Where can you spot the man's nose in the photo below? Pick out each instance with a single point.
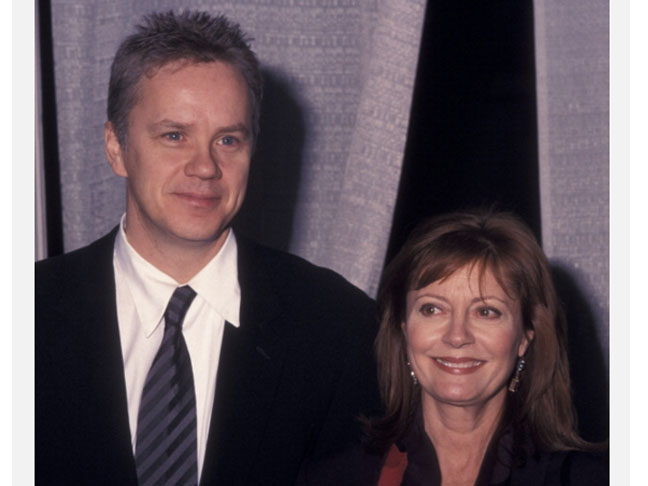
(204, 164)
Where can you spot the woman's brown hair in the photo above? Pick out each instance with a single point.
(502, 244)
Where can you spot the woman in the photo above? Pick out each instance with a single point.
(472, 363)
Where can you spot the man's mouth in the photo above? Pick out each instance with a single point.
(199, 200)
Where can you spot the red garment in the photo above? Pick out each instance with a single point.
(393, 468)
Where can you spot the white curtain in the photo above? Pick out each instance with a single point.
(340, 76)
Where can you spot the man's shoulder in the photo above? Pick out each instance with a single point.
(291, 274)
(76, 267)
(72, 291)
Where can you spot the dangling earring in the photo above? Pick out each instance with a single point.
(409, 365)
(515, 382)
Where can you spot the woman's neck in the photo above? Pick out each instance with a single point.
(461, 435)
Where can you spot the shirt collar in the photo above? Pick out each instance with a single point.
(216, 284)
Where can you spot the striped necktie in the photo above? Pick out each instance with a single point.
(166, 450)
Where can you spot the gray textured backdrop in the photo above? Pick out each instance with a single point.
(572, 64)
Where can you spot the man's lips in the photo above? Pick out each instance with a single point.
(199, 200)
(458, 366)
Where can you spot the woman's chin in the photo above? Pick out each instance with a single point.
(459, 396)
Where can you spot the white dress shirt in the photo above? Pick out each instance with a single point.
(143, 293)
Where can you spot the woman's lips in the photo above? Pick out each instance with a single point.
(458, 366)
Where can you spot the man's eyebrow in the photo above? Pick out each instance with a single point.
(239, 127)
(167, 124)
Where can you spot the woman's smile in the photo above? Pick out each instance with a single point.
(458, 366)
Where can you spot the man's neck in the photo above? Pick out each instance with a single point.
(179, 259)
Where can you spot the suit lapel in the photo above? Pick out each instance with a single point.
(249, 369)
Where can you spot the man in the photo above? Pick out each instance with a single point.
(172, 351)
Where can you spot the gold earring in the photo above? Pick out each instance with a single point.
(515, 382)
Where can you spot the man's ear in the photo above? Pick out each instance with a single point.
(114, 150)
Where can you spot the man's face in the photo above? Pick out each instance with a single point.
(187, 155)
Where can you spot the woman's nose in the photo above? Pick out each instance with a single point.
(458, 332)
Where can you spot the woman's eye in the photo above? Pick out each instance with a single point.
(429, 309)
(488, 312)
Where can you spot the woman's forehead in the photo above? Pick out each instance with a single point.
(475, 272)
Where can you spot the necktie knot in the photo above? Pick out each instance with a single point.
(178, 305)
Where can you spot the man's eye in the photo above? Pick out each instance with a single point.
(229, 140)
(173, 136)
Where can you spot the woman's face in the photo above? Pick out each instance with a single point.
(463, 338)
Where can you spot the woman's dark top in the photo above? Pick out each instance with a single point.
(509, 461)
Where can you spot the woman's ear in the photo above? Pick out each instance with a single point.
(527, 338)
(114, 150)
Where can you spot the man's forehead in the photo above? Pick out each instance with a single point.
(174, 65)
(167, 70)
(169, 94)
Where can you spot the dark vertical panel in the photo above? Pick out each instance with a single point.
(50, 133)
(472, 138)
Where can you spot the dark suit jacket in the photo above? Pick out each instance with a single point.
(291, 380)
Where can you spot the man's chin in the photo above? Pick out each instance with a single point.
(201, 236)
